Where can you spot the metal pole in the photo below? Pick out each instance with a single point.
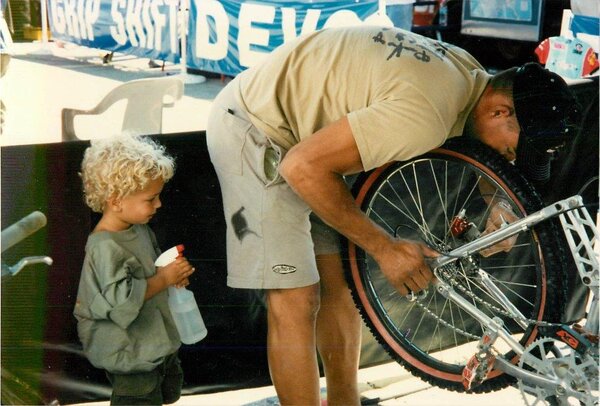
(45, 48)
(187, 78)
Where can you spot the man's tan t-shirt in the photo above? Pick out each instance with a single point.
(404, 94)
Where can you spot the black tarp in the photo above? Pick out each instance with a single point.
(41, 354)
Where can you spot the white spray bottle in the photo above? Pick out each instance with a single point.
(183, 305)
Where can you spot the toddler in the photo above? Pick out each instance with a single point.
(122, 312)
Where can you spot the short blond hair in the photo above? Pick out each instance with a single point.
(118, 166)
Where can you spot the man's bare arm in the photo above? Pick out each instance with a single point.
(314, 169)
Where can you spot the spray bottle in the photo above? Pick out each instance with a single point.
(182, 303)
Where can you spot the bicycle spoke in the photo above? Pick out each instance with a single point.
(420, 200)
(443, 202)
(487, 210)
(415, 200)
(405, 213)
(420, 206)
(509, 286)
(459, 187)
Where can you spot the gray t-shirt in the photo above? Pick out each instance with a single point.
(121, 332)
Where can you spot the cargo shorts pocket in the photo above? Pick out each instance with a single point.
(225, 137)
(137, 384)
(272, 157)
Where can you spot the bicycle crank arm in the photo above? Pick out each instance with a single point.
(507, 231)
(536, 379)
(496, 328)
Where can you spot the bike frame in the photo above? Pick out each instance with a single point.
(581, 234)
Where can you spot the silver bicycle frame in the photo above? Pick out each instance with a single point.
(508, 230)
(582, 235)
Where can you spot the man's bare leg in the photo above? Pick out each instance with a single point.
(291, 344)
(338, 333)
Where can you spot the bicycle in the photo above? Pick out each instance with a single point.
(487, 322)
(17, 232)
(18, 387)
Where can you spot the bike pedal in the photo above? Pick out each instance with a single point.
(477, 369)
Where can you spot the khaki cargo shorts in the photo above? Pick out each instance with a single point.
(269, 241)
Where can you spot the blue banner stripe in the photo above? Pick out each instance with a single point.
(223, 36)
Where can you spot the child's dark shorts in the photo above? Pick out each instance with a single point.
(157, 387)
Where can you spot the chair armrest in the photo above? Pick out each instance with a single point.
(68, 129)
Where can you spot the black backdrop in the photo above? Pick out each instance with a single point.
(41, 355)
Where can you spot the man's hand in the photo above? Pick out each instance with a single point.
(500, 214)
(403, 264)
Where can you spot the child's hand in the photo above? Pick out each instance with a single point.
(177, 272)
(183, 283)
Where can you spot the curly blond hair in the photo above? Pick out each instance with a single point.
(118, 166)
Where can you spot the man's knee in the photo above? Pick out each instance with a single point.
(292, 305)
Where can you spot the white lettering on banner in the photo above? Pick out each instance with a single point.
(174, 28)
(143, 23)
(148, 23)
(133, 23)
(160, 21)
(83, 10)
(58, 16)
(247, 36)
(288, 22)
(75, 17)
(117, 31)
(251, 38)
(70, 17)
(204, 48)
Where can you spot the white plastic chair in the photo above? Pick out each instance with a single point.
(145, 99)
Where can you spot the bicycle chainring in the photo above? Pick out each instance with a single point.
(572, 370)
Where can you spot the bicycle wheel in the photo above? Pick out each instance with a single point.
(418, 199)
